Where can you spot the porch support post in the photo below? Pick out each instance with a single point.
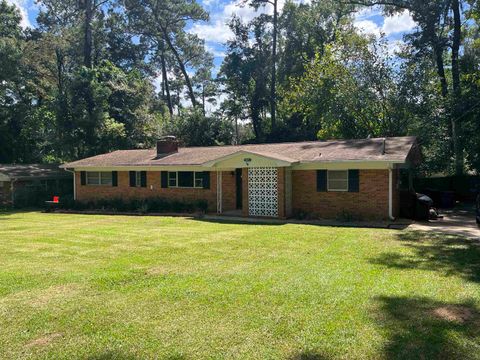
(219, 192)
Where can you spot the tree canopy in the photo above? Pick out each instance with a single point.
(99, 75)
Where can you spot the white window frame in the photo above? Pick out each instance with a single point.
(176, 179)
(186, 187)
(99, 178)
(328, 181)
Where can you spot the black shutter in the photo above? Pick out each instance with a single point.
(143, 179)
(133, 181)
(83, 177)
(353, 180)
(321, 180)
(114, 178)
(164, 179)
(206, 179)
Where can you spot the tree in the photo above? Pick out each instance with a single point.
(437, 20)
(351, 91)
(273, 63)
(162, 23)
(244, 71)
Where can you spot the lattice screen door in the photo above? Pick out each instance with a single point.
(262, 192)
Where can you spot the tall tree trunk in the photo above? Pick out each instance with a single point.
(438, 53)
(203, 100)
(182, 67)
(88, 39)
(273, 91)
(166, 85)
(457, 91)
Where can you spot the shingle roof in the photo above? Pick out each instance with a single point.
(31, 171)
(397, 149)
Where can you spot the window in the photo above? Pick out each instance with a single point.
(172, 179)
(99, 178)
(338, 180)
(138, 178)
(198, 180)
(185, 179)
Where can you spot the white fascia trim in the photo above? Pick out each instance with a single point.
(143, 168)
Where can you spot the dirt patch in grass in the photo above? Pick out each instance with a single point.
(53, 293)
(44, 340)
(457, 314)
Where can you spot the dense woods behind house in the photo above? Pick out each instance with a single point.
(98, 75)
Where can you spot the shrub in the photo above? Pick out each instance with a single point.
(143, 206)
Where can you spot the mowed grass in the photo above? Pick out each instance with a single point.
(118, 287)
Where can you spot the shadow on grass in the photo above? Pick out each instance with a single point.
(236, 221)
(451, 255)
(421, 328)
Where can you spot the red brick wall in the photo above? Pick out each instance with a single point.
(229, 195)
(370, 203)
(123, 190)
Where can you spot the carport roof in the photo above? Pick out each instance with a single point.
(32, 171)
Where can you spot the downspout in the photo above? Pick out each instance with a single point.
(74, 184)
(390, 194)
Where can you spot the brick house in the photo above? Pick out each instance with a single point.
(323, 179)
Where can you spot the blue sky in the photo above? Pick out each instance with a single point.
(215, 32)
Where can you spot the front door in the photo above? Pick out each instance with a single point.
(263, 191)
(238, 187)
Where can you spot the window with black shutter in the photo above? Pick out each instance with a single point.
(321, 180)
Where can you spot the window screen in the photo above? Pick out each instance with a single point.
(338, 180)
(138, 178)
(185, 179)
(99, 178)
(172, 179)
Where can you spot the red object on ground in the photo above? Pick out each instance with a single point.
(56, 199)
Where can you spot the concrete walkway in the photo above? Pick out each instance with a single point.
(459, 222)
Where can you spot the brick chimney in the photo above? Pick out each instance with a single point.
(167, 145)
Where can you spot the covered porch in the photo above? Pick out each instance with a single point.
(262, 186)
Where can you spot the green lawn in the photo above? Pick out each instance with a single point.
(117, 287)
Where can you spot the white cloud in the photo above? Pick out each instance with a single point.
(22, 7)
(367, 27)
(399, 23)
(217, 29)
(396, 24)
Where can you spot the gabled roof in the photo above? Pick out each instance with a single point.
(395, 149)
(32, 171)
